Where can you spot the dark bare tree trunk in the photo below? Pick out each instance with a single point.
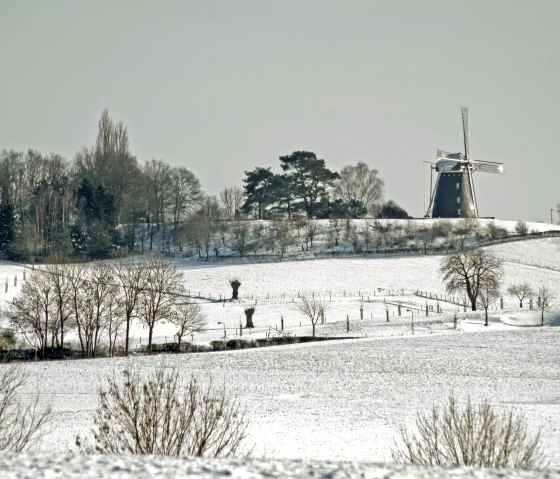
(235, 284)
(249, 317)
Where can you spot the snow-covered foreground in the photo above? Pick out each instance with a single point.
(335, 401)
(341, 400)
(32, 466)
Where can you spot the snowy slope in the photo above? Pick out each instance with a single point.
(338, 401)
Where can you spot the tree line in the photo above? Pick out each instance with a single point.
(105, 202)
(99, 301)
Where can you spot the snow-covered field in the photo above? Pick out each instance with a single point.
(343, 400)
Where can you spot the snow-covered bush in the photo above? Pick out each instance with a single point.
(470, 435)
(521, 228)
(159, 416)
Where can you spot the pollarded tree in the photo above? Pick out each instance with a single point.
(522, 291)
(249, 312)
(309, 178)
(360, 184)
(471, 272)
(235, 284)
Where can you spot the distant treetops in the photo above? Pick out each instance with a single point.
(307, 185)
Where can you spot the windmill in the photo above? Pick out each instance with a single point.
(453, 195)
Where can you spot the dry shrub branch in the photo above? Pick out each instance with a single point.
(159, 416)
(472, 435)
(21, 425)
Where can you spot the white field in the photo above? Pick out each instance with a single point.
(344, 400)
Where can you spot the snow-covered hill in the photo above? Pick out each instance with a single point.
(336, 401)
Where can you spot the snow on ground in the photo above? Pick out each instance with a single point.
(32, 466)
(342, 400)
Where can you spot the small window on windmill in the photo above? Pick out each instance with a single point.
(458, 185)
(458, 199)
(459, 211)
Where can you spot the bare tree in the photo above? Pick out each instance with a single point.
(163, 282)
(522, 291)
(131, 278)
(547, 297)
(189, 319)
(61, 289)
(232, 200)
(311, 230)
(466, 228)
(472, 272)
(185, 191)
(488, 294)
(20, 425)
(284, 234)
(359, 183)
(336, 225)
(313, 308)
(157, 176)
(427, 236)
(240, 234)
(95, 290)
(33, 310)
(472, 435)
(385, 229)
(158, 416)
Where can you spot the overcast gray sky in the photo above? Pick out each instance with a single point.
(225, 86)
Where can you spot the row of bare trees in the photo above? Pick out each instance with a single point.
(478, 274)
(100, 302)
